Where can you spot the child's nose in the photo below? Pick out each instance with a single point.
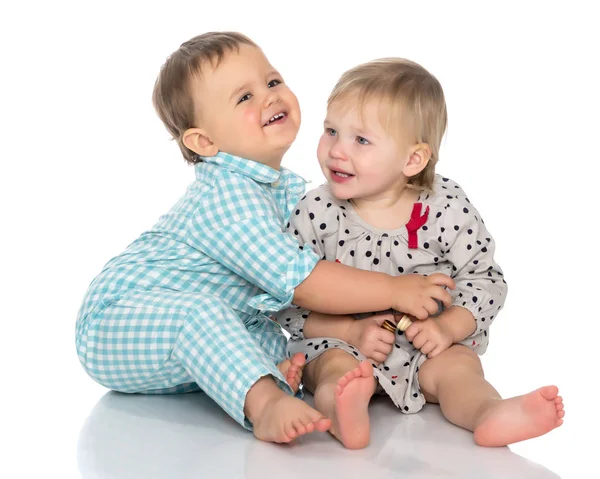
(271, 97)
(337, 151)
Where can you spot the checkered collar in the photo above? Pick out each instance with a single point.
(257, 171)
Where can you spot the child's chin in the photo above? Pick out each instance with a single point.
(339, 193)
(285, 142)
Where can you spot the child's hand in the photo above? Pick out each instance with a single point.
(416, 294)
(370, 339)
(429, 336)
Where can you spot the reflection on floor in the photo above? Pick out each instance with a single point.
(188, 436)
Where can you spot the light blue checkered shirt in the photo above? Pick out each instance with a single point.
(224, 237)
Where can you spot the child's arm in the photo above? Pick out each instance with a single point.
(480, 287)
(301, 324)
(436, 334)
(365, 334)
(458, 322)
(321, 325)
(236, 226)
(336, 288)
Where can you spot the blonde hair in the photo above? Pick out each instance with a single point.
(172, 96)
(411, 98)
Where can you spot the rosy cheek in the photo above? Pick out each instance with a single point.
(323, 148)
(289, 98)
(251, 116)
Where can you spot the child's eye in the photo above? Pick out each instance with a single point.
(330, 131)
(362, 141)
(247, 96)
(273, 83)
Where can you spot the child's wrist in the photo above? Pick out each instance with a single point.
(446, 329)
(395, 286)
(347, 336)
(457, 322)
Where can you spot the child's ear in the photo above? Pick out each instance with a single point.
(197, 140)
(418, 159)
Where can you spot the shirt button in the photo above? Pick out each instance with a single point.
(275, 184)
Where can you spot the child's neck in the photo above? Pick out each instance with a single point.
(274, 163)
(387, 211)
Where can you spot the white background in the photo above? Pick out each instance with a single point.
(86, 166)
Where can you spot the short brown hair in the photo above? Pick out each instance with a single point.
(406, 90)
(172, 97)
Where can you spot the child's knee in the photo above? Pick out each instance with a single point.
(335, 362)
(456, 362)
(462, 358)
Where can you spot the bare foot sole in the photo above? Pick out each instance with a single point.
(520, 418)
(292, 370)
(352, 395)
(286, 418)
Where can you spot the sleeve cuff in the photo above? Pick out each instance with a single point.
(297, 271)
(470, 303)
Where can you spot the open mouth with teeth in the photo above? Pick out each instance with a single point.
(341, 174)
(276, 118)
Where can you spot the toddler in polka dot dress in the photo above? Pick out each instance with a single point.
(187, 306)
(385, 209)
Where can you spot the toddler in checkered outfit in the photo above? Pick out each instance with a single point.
(187, 305)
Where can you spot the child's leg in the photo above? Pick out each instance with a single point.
(156, 340)
(455, 380)
(343, 388)
(269, 337)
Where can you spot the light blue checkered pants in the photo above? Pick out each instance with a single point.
(164, 342)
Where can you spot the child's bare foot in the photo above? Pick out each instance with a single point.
(292, 370)
(519, 418)
(351, 417)
(285, 418)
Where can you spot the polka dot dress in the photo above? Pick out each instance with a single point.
(445, 234)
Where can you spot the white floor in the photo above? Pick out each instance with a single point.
(188, 436)
(88, 432)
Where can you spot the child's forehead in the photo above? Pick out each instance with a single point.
(367, 108)
(370, 113)
(233, 69)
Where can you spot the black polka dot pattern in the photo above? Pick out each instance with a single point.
(453, 240)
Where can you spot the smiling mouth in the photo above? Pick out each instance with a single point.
(341, 174)
(276, 118)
